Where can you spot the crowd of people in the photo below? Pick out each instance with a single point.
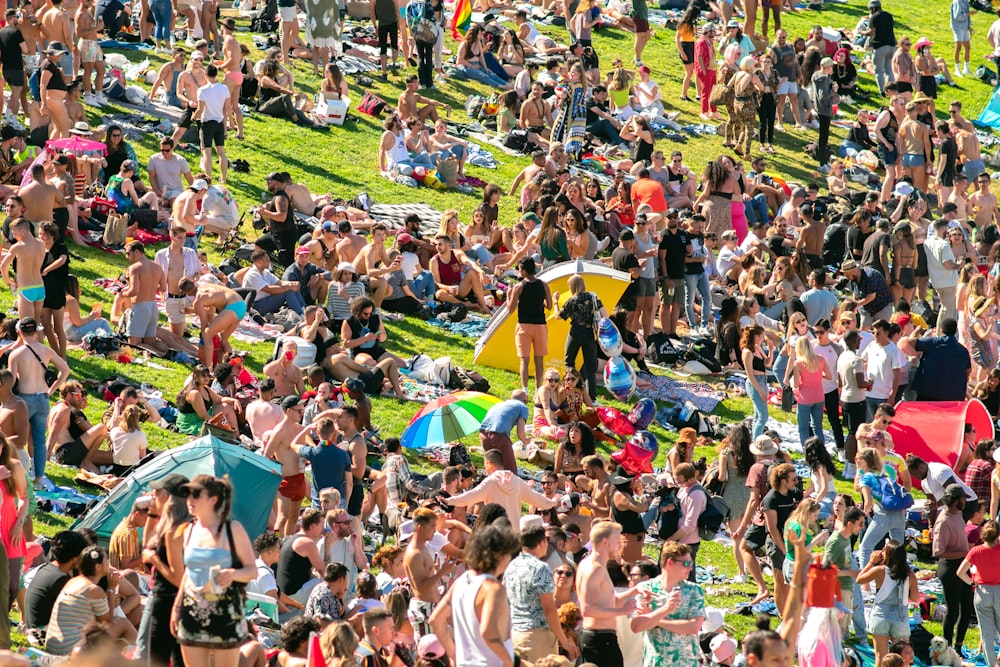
(838, 303)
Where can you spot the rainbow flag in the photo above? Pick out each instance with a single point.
(462, 19)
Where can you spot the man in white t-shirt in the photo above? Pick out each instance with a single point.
(883, 365)
(730, 254)
(272, 293)
(214, 107)
(166, 171)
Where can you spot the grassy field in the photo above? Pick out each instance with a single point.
(344, 161)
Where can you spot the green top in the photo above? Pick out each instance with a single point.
(619, 97)
(789, 547)
(838, 552)
(640, 10)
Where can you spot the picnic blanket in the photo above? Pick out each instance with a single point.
(700, 394)
(250, 332)
(420, 392)
(154, 108)
(394, 214)
(472, 326)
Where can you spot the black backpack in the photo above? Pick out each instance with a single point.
(263, 21)
(467, 380)
(715, 514)
(660, 350)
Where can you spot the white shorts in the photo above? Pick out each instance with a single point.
(788, 88)
(175, 309)
(288, 14)
(961, 34)
(172, 193)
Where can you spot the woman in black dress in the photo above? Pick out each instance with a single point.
(55, 269)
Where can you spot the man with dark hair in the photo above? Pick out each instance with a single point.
(883, 367)
(624, 259)
(945, 366)
(278, 446)
(48, 582)
(838, 551)
(423, 571)
(327, 599)
(530, 587)
(261, 414)
(820, 303)
(600, 122)
(331, 465)
(271, 293)
(267, 547)
(875, 251)
(215, 107)
(300, 557)
(145, 279)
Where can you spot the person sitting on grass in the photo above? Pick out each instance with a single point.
(73, 440)
(453, 287)
(196, 402)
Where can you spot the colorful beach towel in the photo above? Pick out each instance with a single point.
(700, 394)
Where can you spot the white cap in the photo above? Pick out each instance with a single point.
(531, 521)
(199, 184)
(714, 620)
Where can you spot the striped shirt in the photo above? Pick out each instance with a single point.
(123, 547)
(70, 614)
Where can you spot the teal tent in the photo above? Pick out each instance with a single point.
(255, 482)
(990, 117)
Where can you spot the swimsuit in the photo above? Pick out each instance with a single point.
(239, 309)
(90, 50)
(293, 487)
(236, 77)
(33, 293)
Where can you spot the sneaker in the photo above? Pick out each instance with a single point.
(824, 169)
(849, 471)
(958, 73)
(814, 124)
(779, 127)
(740, 579)
(965, 70)
(90, 99)
(102, 100)
(637, 62)
(603, 243)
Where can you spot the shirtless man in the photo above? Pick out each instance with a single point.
(90, 54)
(955, 111)
(423, 571)
(29, 25)
(286, 375)
(302, 200)
(984, 203)
(278, 446)
(343, 367)
(960, 198)
(40, 197)
(177, 262)
(969, 152)
(373, 261)
(536, 116)
(350, 244)
(188, 83)
(28, 364)
(323, 248)
(145, 279)
(230, 64)
(67, 217)
(27, 285)
(595, 482)
(410, 99)
(811, 236)
(261, 414)
(219, 309)
(73, 440)
(529, 173)
(185, 209)
(599, 604)
(56, 27)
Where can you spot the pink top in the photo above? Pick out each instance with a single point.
(810, 386)
(8, 515)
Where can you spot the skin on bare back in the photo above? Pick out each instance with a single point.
(30, 254)
(40, 198)
(349, 247)
(145, 280)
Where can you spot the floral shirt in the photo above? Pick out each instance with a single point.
(662, 648)
(527, 578)
(579, 309)
(322, 602)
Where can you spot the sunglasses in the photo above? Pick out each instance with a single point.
(196, 492)
(563, 573)
(683, 563)
(552, 380)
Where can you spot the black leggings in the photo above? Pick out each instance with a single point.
(832, 405)
(958, 596)
(823, 144)
(425, 63)
(766, 113)
(601, 647)
(582, 339)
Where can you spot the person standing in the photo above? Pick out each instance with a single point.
(883, 367)
(530, 299)
(13, 48)
(692, 499)
(582, 309)
(982, 568)
(853, 395)
(882, 35)
(789, 75)
(215, 105)
(809, 370)
(961, 30)
(423, 572)
(531, 587)
(950, 547)
(146, 278)
(640, 16)
(674, 251)
(671, 611)
(874, 296)
(500, 419)
(704, 70)
(943, 269)
(385, 17)
(177, 262)
(478, 595)
(824, 94)
(599, 603)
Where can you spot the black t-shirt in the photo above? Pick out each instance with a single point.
(10, 48)
(883, 27)
(856, 242)
(776, 244)
(949, 150)
(675, 244)
(782, 505)
(41, 595)
(872, 251)
(623, 260)
(698, 243)
(835, 243)
(591, 103)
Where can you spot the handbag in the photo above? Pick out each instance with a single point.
(218, 426)
(597, 312)
(115, 230)
(371, 104)
(722, 94)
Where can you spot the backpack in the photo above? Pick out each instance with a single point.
(894, 497)
(660, 350)
(420, 21)
(715, 514)
(371, 104)
(516, 140)
(467, 380)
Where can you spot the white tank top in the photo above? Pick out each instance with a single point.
(470, 649)
(532, 34)
(399, 153)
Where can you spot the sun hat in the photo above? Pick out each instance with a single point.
(81, 127)
(849, 265)
(722, 647)
(763, 446)
(902, 189)
(714, 620)
(922, 42)
(345, 266)
(56, 48)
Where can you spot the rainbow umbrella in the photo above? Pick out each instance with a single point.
(447, 419)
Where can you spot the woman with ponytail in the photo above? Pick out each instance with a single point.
(986, 577)
(207, 617)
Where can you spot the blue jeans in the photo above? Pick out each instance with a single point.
(162, 11)
(457, 151)
(423, 286)
(423, 158)
(756, 208)
(987, 605)
(272, 302)
(759, 405)
(495, 67)
(883, 523)
(804, 414)
(871, 405)
(38, 415)
(698, 282)
(481, 254)
(482, 76)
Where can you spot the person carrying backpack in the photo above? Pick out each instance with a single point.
(692, 499)
(885, 502)
(424, 21)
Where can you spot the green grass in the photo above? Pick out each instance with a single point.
(344, 161)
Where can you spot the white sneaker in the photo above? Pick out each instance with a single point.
(740, 579)
(824, 169)
(102, 100)
(780, 127)
(849, 471)
(814, 124)
(603, 243)
(958, 73)
(90, 100)
(965, 70)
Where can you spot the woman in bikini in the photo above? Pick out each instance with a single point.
(904, 262)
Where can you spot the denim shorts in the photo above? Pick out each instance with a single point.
(891, 622)
(888, 157)
(911, 160)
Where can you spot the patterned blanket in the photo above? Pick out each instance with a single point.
(664, 388)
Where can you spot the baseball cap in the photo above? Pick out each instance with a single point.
(289, 402)
(531, 521)
(429, 647)
(302, 250)
(345, 266)
(172, 484)
(8, 132)
(404, 238)
(199, 184)
(626, 235)
(197, 55)
(327, 211)
(27, 325)
(644, 69)
(532, 217)
(328, 226)
(274, 176)
(354, 384)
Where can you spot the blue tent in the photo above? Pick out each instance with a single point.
(255, 482)
(990, 117)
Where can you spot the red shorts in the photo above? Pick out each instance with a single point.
(294, 487)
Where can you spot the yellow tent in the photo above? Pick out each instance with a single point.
(495, 347)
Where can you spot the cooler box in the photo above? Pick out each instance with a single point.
(265, 603)
(336, 111)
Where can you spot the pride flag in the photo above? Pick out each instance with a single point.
(462, 18)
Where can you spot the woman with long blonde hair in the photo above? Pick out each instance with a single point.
(971, 286)
(620, 93)
(804, 519)
(808, 373)
(339, 642)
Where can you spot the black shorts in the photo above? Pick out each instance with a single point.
(373, 381)
(212, 133)
(60, 216)
(687, 53)
(947, 178)
(388, 35)
(185, 120)
(14, 77)
(589, 58)
(922, 271)
(928, 85)
(755, 538)
(601, 646)
(904, 87)
(907, 278)
(70, 454)
(357, 498)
